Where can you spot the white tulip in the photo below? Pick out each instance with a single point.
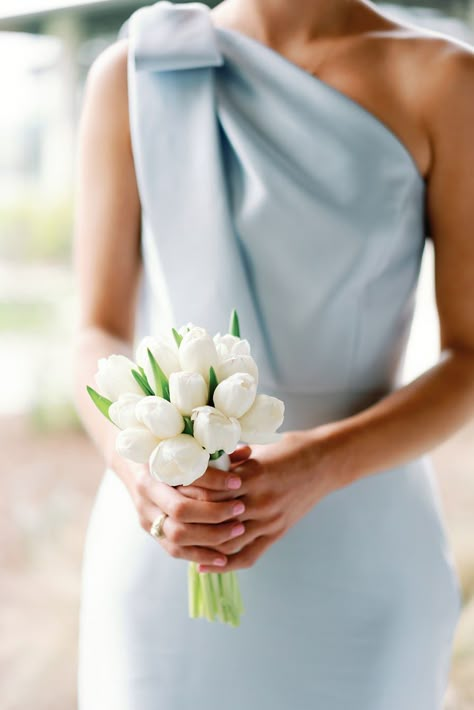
(136, 443)
(237, 363)
(160, 416)
(197, 352)
(235, 395)
(184, 328)
(178, 461)
(258, 425)
(114, 377)
(188, 390)
(214, 430)
(165, 352)
(122, 411)
(228, 345)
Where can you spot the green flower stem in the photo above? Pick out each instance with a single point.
(214, 596)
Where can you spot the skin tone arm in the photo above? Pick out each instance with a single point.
(282, 482)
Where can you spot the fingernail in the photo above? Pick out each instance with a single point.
(238, 508)
(234, 482)
(219, 561)
(237, 530)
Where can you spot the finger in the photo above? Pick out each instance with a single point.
(244, 559)
(240, 454)
(193, 553)
(200, 555)
(188, 510)
(217, 480)
(191, 534)
(253, 530)
(198, 493)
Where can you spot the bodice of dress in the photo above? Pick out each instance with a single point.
(266, 189)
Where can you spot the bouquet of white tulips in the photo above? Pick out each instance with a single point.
(187, 401)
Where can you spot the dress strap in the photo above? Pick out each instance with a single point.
(167, 36)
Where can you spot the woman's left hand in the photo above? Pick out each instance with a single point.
(281, 482)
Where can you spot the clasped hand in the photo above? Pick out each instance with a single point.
(225, 520)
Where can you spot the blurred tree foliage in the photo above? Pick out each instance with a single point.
(33, 228)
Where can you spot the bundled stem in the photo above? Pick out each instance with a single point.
(214, 596)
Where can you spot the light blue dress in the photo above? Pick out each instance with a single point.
(266, 189)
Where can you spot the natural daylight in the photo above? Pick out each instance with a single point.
(280, 214)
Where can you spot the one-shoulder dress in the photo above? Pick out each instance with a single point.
(266, 189)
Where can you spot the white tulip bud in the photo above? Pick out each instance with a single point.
(214, 430)
(188, 390)
(197, 352)
(160, 416)
(228, 345)
(165, 352)
(184, 328)
(237, 363)
(122, 411)
(136, 443)
(258, 425)
(235, 395)
(178, 461)
(114, 377)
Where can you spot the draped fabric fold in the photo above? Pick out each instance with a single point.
(177, 150)
(230, 142)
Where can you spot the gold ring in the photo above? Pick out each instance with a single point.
(157, 526)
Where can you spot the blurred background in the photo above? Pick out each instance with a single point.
(49, 471)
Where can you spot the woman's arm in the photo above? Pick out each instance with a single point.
(284, 481)
(108, 265)
(106, 237)
(422, 414)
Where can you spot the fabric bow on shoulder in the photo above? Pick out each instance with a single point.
(167, 36)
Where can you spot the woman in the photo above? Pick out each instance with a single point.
(287, 158)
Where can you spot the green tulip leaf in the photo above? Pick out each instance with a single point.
(234, 327)
(102, 403)
(212, 386)
(143, 382)
(161, 380)
(188, 425)
(145, 378)
(216, 454)
(177, 337)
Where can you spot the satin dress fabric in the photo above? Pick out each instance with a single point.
(266, 189)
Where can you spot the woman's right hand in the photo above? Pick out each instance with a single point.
(193, 527)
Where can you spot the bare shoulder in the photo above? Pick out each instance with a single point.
(106, 89)
(442, 80)
(435, 61)
(426, 79)
(450, 73)
(110, 66)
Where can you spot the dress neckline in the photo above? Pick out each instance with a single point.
(337, 93)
